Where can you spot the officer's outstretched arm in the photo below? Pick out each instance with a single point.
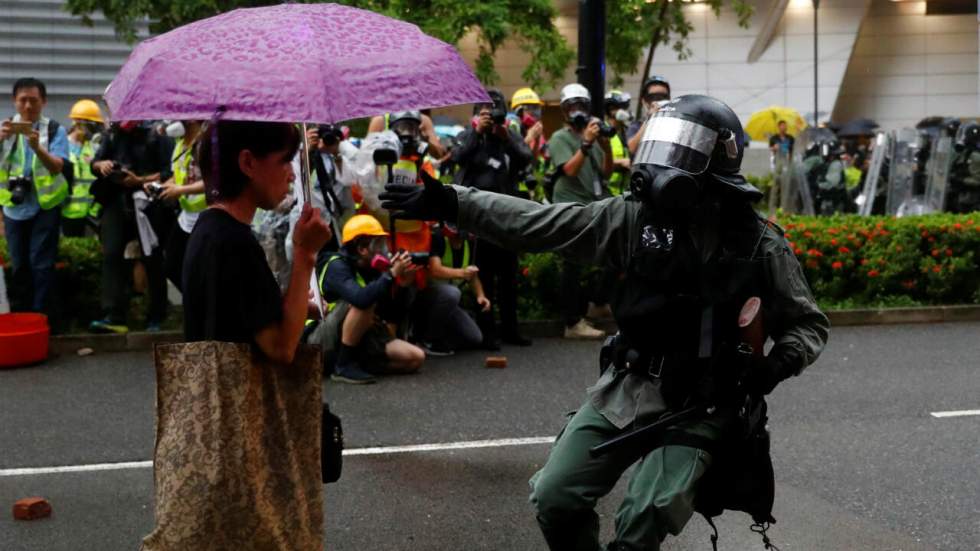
(597, 233)
(797, 326)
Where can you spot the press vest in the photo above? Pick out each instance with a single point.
(180, 163)
(323, 273)
(81, 203)
(448, 256)
(51, 189)
(619, 152)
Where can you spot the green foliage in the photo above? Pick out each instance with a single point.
(529, 22)
(635, 25)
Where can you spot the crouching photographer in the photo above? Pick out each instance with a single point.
(365, 289)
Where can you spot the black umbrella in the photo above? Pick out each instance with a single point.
(857, 128)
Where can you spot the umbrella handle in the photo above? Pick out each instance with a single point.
(304, 164)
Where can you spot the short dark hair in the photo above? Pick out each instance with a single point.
(780, 122)
(30, 82)
(224, 179)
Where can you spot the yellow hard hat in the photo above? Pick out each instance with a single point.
(524, 96)
(361, 224)
(86, 110)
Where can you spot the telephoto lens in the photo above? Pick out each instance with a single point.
(606, 130)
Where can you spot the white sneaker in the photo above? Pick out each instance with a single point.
(583, 330)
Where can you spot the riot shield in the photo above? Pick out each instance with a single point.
(798, 193)
(901, 174)
(876, 180)
(940, 163)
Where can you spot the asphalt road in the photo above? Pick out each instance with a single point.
(860, 462)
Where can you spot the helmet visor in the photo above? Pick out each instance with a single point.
(673, 142)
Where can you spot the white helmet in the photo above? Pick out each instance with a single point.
(575, 92)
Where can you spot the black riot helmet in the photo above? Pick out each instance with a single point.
(690, 142)
(950, 126)
(968, 136)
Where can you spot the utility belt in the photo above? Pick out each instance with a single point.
(618, 354)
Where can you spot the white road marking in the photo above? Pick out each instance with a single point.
(960, 413)
(382, 450)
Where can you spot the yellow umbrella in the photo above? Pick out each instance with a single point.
(763, 124)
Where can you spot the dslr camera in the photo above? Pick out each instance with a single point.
(606, 130)
(329, 134)
(19, 187)
(498, 115)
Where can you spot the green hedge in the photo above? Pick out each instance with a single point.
(850, 262)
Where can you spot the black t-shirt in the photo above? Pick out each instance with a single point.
(786, 144)
(229, 290)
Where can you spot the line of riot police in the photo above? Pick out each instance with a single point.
(934, 167)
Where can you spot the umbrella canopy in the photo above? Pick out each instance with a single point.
(764, 123)
(288, 63)
(857, 128)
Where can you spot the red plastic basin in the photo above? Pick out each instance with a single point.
(23, 339)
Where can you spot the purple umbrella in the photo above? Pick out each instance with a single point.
(287, 63)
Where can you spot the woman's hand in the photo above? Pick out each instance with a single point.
(170, 191)
(311, 232)
(484, 303)
(470, 272)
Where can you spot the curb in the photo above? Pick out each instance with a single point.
(69, 344)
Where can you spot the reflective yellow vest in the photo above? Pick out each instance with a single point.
(180, 163)
(81, 203)
(51, 189)
(447, 257)
(619, 151)
(323, 273)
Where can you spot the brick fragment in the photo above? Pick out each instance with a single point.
(498, 362)
(31, 508)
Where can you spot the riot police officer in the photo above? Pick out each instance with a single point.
(825, 174)
(965, 173)
(690, 250)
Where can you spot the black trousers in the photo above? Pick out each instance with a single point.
(573, 298)
(119, 228)
(173, 256)
(498, 274)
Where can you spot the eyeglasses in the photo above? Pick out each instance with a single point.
(656, 96)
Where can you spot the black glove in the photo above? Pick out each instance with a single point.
(762, 376)
(432, 201)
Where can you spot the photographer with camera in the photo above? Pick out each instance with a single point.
(583, 160)
(186, 186)
(328, 194)
(618, 116)
(492, 157)
(33, 161)
(131, 155)
(365, 289)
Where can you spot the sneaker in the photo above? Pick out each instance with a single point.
(106, 326)
(603, 312)
(516, 339)
(436, 348)
(583, 330)
(352, 374)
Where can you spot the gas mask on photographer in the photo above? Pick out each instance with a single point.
(407, 126)
(623, 116)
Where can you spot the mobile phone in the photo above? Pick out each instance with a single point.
(21, 127)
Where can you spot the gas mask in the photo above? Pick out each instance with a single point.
(623, 116)
(380, 256)
(669, 191)
(175, 130)
(579, 119)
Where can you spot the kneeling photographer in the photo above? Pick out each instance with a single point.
(365, 289)
(130, 156)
